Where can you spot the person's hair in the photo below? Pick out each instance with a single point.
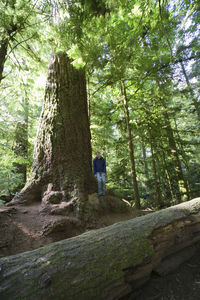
(98, 152)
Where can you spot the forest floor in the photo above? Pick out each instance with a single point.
(26, 227)
(23, 227)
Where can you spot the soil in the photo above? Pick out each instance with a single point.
(26, 227)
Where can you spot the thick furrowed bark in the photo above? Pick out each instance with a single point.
(107, 263)
(62, 170)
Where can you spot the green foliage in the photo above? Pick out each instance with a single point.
(142, 57)
(139, 43)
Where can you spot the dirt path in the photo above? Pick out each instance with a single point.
(24, 228)
(21, 229)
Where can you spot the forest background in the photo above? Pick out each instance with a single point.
(141, 60)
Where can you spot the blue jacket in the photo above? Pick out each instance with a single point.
(99, 165)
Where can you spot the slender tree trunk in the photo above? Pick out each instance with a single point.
(7, 36)
(144, 156)
(158, 195)
(185, 160)
(62, 171)
(130, 145)
(194, 99)
(181, 184)
(3, 53)
(168, 178)
(146, 171)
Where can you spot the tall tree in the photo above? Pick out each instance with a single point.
(138, 49)
(193, 97)
(130, 146)
(17, 25)
(62, 160)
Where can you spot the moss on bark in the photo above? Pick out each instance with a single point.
(101, 264)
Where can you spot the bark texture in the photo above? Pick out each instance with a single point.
(20, 147)
(3, 53)
(7, 35)
(130, 146)
(158, 194)
(179, 184)
(190, 89)
(107, 263)
(62, 170)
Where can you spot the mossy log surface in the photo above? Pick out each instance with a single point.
(107, 263)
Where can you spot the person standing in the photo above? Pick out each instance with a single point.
(99, 171)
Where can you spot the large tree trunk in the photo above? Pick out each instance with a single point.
(62, 172)
(108, 263)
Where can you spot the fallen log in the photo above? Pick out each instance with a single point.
(107, 263)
